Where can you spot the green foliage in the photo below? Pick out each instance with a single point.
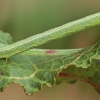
(31, 68)
(35, 67)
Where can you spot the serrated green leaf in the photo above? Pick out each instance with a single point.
(5, 38)
(83, 65)
(33, 68)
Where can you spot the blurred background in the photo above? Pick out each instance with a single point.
(23, 18)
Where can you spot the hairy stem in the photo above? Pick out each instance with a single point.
(53, 34)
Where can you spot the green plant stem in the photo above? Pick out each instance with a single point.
(53, 34)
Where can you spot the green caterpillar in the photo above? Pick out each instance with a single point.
(56, 33)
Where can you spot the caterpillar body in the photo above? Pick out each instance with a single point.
(56, 33)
